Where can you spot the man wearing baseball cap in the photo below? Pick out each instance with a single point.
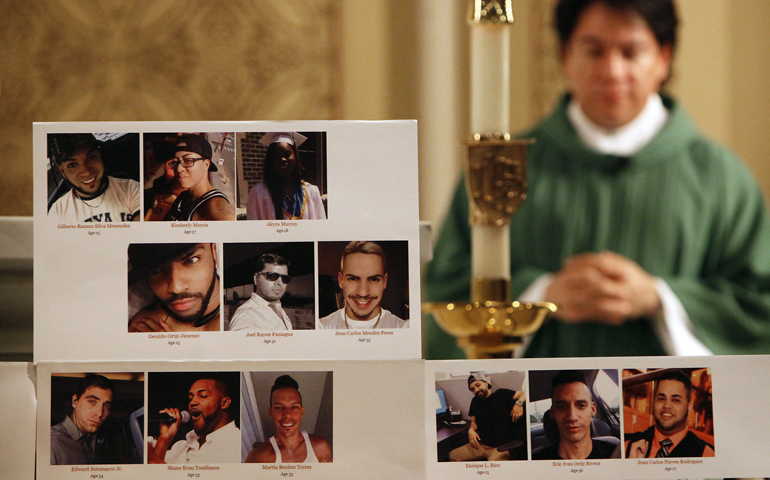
(183, 279)
(497, 418)
(94, 196)
(200, 200)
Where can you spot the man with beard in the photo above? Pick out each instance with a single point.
(214, 438)
(74, 441)
(362, 279)
(573, 410)
(491, 416)
(289, 444)
(263, 310)
(93, 196)
(183, 279)
(669, 437)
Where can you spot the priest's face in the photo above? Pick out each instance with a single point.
(613, 63)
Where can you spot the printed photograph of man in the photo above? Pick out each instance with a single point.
(193, 417)
(269, 286)
(93, 418)
(283, 176)
(668, 413)
(287, 417)
(481, 416)
(575, 414)
(188, 176)
(355, 291)
(173, 287)
(93, 177)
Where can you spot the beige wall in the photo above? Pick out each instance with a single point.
(350, 59)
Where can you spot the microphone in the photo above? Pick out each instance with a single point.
(166, 418)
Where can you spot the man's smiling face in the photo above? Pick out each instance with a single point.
(671, 407)
(362, 281)
(84, 169)
(286, 410)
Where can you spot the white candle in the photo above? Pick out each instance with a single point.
(491, 252)
(490, 77)
(490, 80)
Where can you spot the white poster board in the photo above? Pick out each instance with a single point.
(364, 181)
(727, 408)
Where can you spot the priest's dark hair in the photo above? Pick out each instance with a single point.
(660, 16)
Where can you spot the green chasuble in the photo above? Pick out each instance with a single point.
(686, 210)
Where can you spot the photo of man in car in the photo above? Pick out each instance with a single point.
(575, 414)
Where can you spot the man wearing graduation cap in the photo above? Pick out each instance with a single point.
(284, 194)
(183, 279)
(200, 200)
(93, 196)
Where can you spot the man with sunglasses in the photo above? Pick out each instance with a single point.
(200, 200)
(263, 310)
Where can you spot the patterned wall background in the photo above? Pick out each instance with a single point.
(545, 72)
(102, 60)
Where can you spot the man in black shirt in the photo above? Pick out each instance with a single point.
(573, 409)
(670, 436)
(496, 418)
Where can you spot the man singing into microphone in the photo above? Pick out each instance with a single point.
(215, 437)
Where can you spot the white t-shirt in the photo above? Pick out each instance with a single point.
(120, 202)
(336, 321)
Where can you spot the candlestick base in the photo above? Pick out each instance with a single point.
(489, 328)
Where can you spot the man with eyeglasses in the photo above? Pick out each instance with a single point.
(263, 310)
(200, 200)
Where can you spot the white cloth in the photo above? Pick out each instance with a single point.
(221, 446)
(259, 205)
(310, 458)
(336, 321)
(256, 314)
(120, 202)
(673, 326)
(625, 140)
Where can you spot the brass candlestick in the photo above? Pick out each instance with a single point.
(496, 177)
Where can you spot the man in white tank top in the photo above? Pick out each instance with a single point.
(289, 444)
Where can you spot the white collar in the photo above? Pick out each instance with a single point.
(625, 140)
